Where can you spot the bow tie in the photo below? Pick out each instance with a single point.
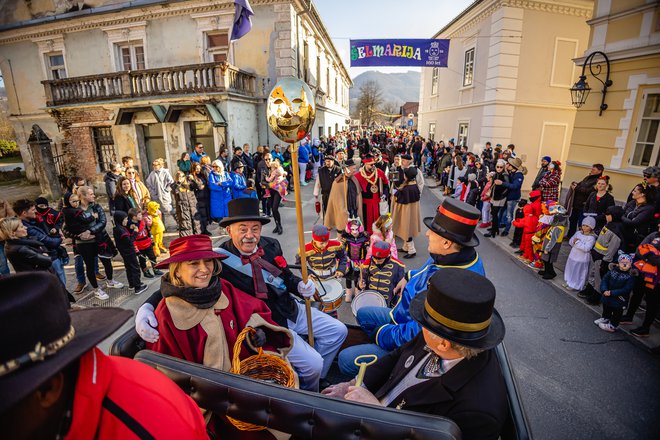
(258, 265)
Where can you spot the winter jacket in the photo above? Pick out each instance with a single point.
(124, 236)
(549, 185)
(486, 192)
(539, 176)
(120, 398)
(303, 154)
(513, 185)
(76, 220)
(50, 218)
(608, 243)
(26, 254)
(124, 203)
(620, 284)
(597, 207)
(186, 210)
(500, 192)
(239, 186)
(200, 187)
(184, 165)
(220, 186)
(637, 221)
(530, 218)
(159, 183)
(111, 180)
(37, 232)
(143, 236)
(584, 189)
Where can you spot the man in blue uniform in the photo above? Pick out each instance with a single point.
(451, 244)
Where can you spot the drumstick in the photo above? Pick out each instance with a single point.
(363, 366)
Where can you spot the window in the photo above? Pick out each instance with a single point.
(336, 90)
(305, 62)
(320, 131)
(468, 67)
(217, 47)
(105, 147)
(432, 131)
(131, 56)
(648, 140)
(202, 131)
(463, 128)
(318, 72)
(327, 81)
(329, 130)
(434, 81)
(55, 63)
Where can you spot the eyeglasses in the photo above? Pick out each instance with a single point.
(74, 201)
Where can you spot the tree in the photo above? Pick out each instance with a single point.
(369, 101)
(390, 112)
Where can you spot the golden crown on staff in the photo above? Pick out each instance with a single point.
(290, 112)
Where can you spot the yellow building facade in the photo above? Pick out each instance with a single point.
(626, 137)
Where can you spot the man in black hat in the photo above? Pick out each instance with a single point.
(451, 244)
(54, 383)
(255, 265)
(450, 369)
(327, 175)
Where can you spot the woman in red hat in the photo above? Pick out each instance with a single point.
(203, 314)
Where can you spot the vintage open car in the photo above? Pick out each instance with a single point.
(308, 415)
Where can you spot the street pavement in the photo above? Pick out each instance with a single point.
(576, 381)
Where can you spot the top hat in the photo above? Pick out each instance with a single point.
(189, 248)
(40, 336)
(456, 221)
(243, 209)
(465, 316)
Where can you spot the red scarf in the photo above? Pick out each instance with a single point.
(258, 263)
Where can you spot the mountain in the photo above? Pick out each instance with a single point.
(396, 87)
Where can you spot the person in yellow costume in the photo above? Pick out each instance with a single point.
(157, 227)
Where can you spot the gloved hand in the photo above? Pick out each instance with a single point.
(146, 323)
(258, 339)
(306, 289)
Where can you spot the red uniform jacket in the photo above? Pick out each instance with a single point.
(119, 398)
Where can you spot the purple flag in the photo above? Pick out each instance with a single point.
(242, 20)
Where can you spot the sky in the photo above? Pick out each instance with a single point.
(363, 19)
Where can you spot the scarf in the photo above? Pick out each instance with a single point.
(136, 188)
(258, 263)
(201, 298)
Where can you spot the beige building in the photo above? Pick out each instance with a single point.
(509, 70)
(625, 138)
(148, 79)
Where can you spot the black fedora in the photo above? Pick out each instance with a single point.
(243, 209)
(464, 315)
(456, 221)
(40, 336)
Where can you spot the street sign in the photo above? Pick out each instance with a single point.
(410, 122)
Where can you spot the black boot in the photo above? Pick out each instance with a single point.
(279, 228)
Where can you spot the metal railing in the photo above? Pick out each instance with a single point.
(178, 80)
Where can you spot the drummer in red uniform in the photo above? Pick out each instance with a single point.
(374, 187)
(382, 272)
(325, 257)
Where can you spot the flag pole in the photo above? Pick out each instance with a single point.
(301, 238)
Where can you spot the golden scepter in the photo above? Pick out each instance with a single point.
(290, 112)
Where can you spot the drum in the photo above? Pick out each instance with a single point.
(332, 294)
(367, 298)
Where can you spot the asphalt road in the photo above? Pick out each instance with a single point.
(576, 381)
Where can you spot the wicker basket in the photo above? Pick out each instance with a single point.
(260, 366)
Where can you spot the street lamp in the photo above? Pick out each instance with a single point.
(580, 90)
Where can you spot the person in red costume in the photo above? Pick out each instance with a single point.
(374, 187)
(202, 315)
(529, 224)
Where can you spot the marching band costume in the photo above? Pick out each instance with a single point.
(326, 257)
(391, 328)
(382, 272)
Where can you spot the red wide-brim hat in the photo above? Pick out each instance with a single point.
(190, 248)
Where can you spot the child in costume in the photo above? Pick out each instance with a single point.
(519, 224)
(382, 230)
(545, 221)
(157, 226)
(143, 243)
(382, 272)
(552, 242)
(356, 243)
(577, 266)
(616, 287)
(529, 223)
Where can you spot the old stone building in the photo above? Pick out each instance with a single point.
(148, 79)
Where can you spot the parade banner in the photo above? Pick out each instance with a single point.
(399, 52)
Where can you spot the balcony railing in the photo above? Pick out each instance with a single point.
(179, 80)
